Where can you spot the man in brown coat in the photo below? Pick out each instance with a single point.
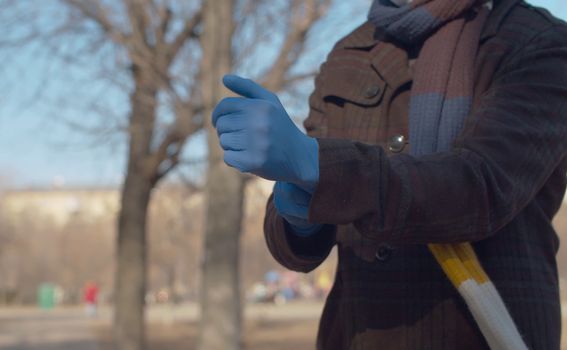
(437, 121)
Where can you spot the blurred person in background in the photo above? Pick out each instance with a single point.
(435, 122)
(90, 298)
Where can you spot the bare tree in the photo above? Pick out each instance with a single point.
(148, 44)
(220, 286)
(154, 50)
(151, 55)
(220, 310)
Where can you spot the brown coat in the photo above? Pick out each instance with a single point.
(500, 188)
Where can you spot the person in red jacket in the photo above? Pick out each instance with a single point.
(90, 297)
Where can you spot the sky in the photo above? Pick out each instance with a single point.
(38, 148)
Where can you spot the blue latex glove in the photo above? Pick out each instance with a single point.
(260, 138)
(292, 203)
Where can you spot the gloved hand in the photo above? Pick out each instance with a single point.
(259, 137)
(292, 203)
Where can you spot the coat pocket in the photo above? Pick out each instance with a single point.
(343, 85)
(352, 95)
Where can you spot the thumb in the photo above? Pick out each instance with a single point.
(247, 88)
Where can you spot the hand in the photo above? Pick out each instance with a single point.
(259, 137)
(292, 203)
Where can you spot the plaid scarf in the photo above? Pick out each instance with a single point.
(443, 80)
(441, 98)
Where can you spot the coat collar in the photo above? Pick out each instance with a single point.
(364, 36)
(501, 9)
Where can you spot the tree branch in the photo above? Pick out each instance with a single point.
(94, 11)
(188, 31)
(166, 155)
(297, 78)
(303, 15)
(164, 14)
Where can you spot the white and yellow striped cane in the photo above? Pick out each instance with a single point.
(462, 267)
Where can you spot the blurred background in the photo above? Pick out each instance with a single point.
(120, 227)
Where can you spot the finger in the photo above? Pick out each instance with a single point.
(247, 88)
(230, 123)
(236, 159)
(228, 105)
(233, 141)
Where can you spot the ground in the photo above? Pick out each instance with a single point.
(168, 328)
(268, 327)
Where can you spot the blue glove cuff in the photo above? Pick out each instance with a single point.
(305, 231)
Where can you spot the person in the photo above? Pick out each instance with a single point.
(436, 122)
(90, 297)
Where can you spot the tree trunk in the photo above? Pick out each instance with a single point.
(130, 283)
(131, 265)
(220, 282)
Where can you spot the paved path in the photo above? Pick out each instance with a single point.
(31, 329)
(70, 329)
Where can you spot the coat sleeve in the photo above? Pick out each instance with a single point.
(302, 254)
(297, 253)
(509, 147)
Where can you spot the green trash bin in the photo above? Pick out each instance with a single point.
(46, 296)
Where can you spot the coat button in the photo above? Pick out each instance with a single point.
(384, 252)
(372, 91)
(397, 143)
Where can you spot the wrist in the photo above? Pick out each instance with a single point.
(309, 176)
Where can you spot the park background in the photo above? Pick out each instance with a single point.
(103, 142)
